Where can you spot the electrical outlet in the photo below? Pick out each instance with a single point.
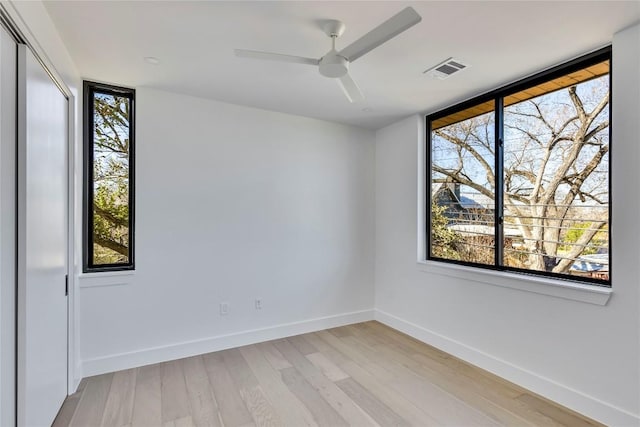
(258, 304)
(224, 308)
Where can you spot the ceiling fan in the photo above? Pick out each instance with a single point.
(335, 64)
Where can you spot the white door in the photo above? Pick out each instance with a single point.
(42, 243)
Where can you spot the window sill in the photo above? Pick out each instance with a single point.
(106, 278)
(539, 285)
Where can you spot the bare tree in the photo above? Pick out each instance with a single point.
(554, 149)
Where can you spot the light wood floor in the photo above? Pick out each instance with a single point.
(360, 375)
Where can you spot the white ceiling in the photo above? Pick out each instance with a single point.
(502, 41)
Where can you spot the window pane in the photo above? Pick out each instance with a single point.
(111, 239)
(463, 186)
(556, 175)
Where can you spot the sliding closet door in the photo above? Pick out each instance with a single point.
(42, 243)
(8, 84)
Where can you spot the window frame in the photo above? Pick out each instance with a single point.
(497, 96)
(90, 88)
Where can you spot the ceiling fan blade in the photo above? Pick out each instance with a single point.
(350, 88)
(243, 53)
(390, 28)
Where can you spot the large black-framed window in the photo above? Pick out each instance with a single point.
(109, 177)
(518, 179)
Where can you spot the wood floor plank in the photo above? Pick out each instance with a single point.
(302, 345)
(259, 407)
(204, 408)
(275, 358)
(328, 368)
(338, 399)
(289, 408)
(69, 407)
(147, 406)
(400, 405)
(175, 400)
(362, 359)
(94, 398)
(323, 413)
(561, 415)
(326, 349)
(339, 332)
(119, 407)
(180, 422)
(233, 410)
(443, 406)
(335, 342)
(238, 368)
(380, 412)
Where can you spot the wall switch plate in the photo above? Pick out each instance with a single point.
(258, 303)
(224, 308)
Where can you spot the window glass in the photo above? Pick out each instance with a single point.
(541, 187)
(109, 196)
(463, 186)
(556, 175)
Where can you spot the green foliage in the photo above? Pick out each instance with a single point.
(577, 230)
(443, 239)
(111, 179)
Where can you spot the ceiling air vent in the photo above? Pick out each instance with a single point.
(446, 69)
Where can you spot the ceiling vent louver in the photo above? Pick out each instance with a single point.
(446, 69)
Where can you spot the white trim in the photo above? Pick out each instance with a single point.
(562, 394)
(540, 285)
(107, 278)
(116, 362)
(8, 232)
(36, 48)
(72, 307)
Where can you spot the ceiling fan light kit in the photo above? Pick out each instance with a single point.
(335, 64)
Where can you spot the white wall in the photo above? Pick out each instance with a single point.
(583, 355)
(233, 204)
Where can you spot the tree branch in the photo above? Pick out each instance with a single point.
(120, 222)
(460, 143)
(110, 244)
(462, 179)
(588, 234)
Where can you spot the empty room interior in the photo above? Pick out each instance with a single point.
(319, 213)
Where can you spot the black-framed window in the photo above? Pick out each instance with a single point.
(109, 164)
(519, 179)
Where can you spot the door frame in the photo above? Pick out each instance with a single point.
(8, 232)
(12, 19)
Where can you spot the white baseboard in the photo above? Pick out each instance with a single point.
(573, 399)
(117, 362)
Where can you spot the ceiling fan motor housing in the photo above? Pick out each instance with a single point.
(333, 65)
